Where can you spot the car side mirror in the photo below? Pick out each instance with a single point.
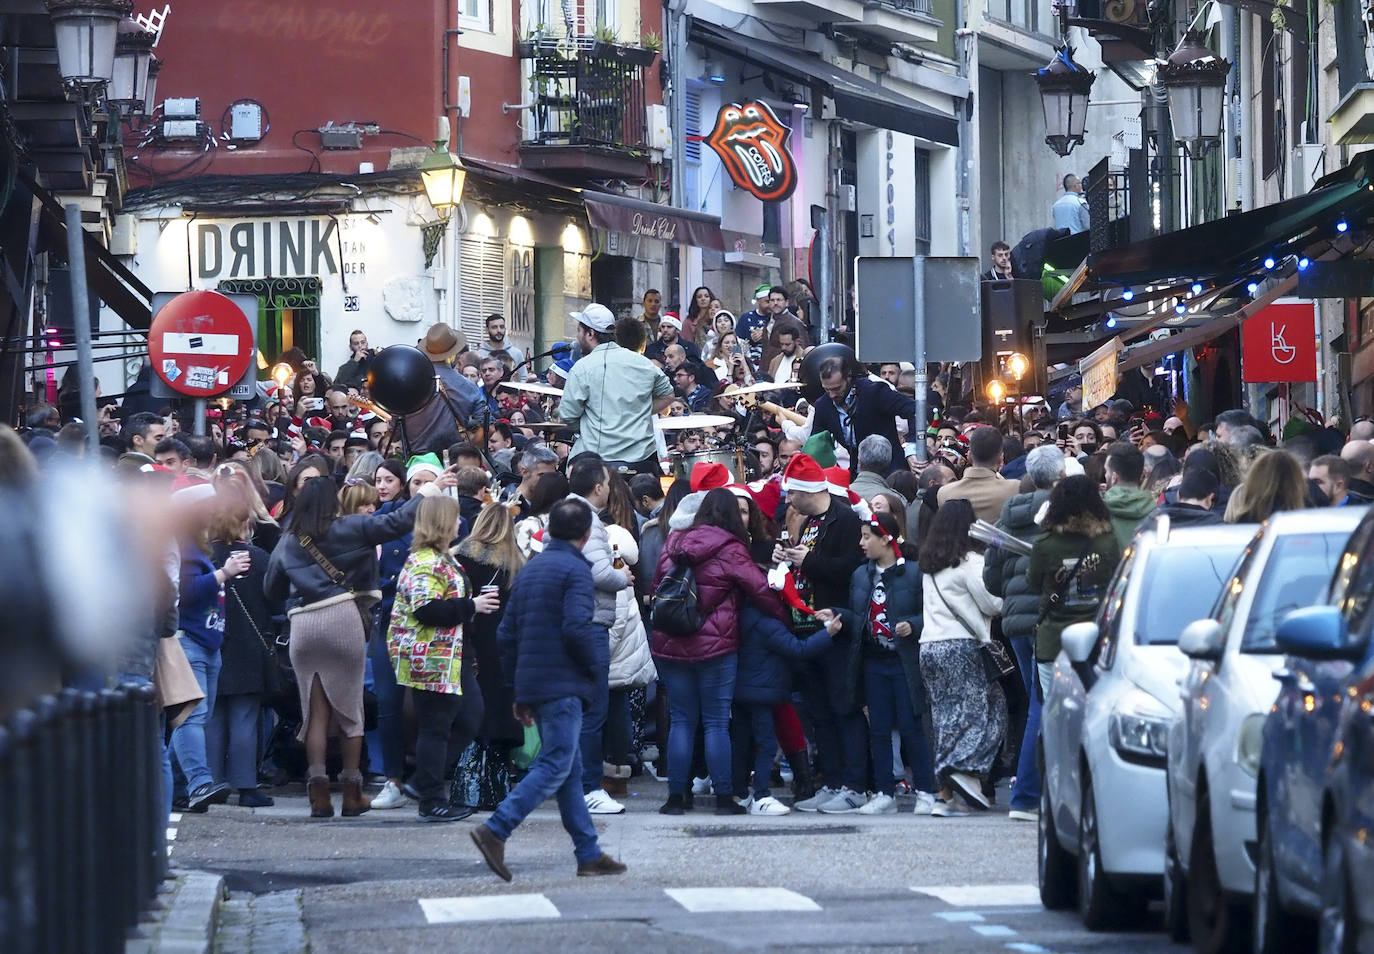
(1202, 639)
(1078, 640)
(1316, 632)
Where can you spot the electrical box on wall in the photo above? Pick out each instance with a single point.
(186, 107)
(176, 130)
(660, 129)
(464, 96)
(245, 122)
(347, 136)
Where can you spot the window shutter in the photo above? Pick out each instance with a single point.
(481, 283)
(691, 182)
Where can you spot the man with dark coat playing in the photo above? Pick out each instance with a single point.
(853, 408)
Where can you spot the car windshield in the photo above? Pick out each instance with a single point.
(1296, 574)
(1179, 585)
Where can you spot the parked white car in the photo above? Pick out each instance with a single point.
(1106, 715)
(1214, 744)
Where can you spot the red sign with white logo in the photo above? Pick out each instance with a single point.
(1280, 344)
(200, 343)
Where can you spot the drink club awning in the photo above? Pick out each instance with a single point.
(618, 213)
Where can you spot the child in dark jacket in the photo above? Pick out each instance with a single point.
(883, 622)
(767, 650)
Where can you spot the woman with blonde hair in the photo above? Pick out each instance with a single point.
(263, 528)
(425, 642)
(358, 497)
(1274, 482)
(491, 556)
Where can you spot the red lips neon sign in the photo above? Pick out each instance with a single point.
(752, 144)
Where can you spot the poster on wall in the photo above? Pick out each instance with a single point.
(1279, 344)
(752, 144)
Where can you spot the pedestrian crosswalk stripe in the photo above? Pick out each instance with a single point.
(171, 834)
(958, 917)
(715, 900)
(993, 930)
(497, 907)
(984, 895)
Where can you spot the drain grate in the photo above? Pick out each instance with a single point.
(732, 832)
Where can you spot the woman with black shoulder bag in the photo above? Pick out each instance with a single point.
(327, 566)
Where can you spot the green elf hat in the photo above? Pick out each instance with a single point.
(821, 448)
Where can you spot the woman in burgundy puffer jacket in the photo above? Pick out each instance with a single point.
(699, 670)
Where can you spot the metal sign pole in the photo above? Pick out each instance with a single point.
(198, 409)
(81, 320)
(918, 339)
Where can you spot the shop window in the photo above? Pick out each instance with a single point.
(920, 194)
(288, 315)
(475, 15)
(481, 283)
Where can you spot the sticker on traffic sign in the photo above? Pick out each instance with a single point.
(200, 343)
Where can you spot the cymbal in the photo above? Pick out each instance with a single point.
(534, 386)
(692, 422)
(760, 387)
(542, 425)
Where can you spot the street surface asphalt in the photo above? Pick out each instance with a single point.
(386, 882)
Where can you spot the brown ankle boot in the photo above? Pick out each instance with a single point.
(354, 801)
(320, 805)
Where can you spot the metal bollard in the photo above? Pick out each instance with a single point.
(64, 851)
(9, 895)
(116, 808)
(19, 848)
(47, 822)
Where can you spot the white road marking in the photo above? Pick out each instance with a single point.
(496, 907)
(174, 817)
(984, 895)
(958, 917)
(993, 930)
(171, 834)
(1025, 947)
(713, 900)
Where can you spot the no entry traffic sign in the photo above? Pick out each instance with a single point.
(201, 343)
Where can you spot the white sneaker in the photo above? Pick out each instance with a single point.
(823, 795)
(1024, 814)
(768, 805)
(925, 803)
(954, 808)
(880, 804)
(389, 797)
(701, 786)
(971, 787)
(599, 803)
(845, 802)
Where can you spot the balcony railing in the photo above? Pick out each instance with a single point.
(909, 6)
(588, 97)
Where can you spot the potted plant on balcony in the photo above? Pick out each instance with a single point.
(606, 46)
(535, 44)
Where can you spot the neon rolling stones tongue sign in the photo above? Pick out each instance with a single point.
(752, 144)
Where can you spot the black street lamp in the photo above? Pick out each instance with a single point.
(86, 31)
(1195, 79)
(1064, 89)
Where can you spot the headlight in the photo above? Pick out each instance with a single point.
(1250, 741)
(1139, 729)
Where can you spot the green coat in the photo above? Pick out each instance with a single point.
(1129, 506)
(1060, 549)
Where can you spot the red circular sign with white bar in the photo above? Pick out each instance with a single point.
(200, 343)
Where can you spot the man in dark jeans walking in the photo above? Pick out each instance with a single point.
(557, 660)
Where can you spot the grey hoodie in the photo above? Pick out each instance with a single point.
(609, 581)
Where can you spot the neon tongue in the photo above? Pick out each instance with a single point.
(755, 165)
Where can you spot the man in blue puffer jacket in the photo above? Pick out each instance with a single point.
(556, 659)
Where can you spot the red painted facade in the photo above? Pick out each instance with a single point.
(350, 61)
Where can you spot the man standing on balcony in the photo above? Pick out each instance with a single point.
(1070, 210)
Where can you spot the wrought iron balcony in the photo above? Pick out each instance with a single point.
(588, 111)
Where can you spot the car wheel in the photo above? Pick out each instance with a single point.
(1054, 865)
(1215, 922)
(1338, 925)
(1175, 890)
(1100, 904)
(1275, 930)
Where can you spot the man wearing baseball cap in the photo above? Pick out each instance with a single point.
(612, 395)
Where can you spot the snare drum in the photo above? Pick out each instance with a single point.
(732, 458)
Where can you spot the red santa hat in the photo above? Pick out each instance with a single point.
(321, 422)
(767, 493)
(709, 476)
(805, 475)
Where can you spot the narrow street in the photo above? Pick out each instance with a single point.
(387, 883)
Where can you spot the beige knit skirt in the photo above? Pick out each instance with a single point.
(327, 641)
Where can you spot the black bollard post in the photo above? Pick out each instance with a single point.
(19, 849)
(47, 836)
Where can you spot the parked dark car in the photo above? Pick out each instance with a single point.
(1316, 783)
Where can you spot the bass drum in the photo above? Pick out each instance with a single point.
(732, 458)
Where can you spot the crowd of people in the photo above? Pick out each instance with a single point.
(530, 587)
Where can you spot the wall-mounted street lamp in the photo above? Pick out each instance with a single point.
(86, 31)
(1064, 90)
(442, 174)
(1195, 78)
(132, 64)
